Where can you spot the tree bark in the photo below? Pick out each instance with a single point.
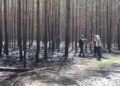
(0, 28)
(19, 29)
(67, 39)
(38, 32)
(45, 30)
(76, 29)
(73, 24)
(25, 36)
(6, 32)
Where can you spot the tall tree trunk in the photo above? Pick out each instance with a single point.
(38, 32)
(29, 31)
(12, 23)
(91, 31)
(86, 24)
(67, 39)
(96, 16)
(118, 28)
(25, 36)
(14, 33)
(73, 24)
(104, 30)
(108, 29)
(76, 29)
(53, 26)
(100, 16)
(59, 25)
(0, 28)
(118, 34)
(32, 33)
(19, 30)
(6, 32)
(46, 28)
(49, 26)
(56, 21)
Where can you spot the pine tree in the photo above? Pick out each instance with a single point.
(6, 32)
(19, 29)
(14, 26)
(76, 28)
(25, 36)
(100, 16)
(53, 26)
(38, 32)
(32, 33)
(67, 39)
(86, 24)
(118, 27)
(45, 30)
(97, 17)
(0, 28)
(91, 31)
(73, 24)
(49, 26)
(108, 29)
(59, 24)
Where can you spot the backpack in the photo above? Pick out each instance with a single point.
(97, 42)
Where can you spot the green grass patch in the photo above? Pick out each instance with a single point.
(105, 63)
(118, 56)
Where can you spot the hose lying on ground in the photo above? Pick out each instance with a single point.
(30, 71)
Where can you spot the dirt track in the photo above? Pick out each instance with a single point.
(76, 73)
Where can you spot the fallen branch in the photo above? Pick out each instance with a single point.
(12, 69)
(30, 71)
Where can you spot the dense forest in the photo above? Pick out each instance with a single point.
(50, 24)
(44, 32)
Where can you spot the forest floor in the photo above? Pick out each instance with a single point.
(79, 71)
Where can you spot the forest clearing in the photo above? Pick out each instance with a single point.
(59, 42)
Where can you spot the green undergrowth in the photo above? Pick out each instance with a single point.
(105, 63)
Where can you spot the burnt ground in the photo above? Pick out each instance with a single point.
(75, 72)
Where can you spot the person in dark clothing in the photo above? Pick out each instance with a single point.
(94, 44)
(81, 45)
(97, 47)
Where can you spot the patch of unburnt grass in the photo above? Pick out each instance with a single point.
(105, 63)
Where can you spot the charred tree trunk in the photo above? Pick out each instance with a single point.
(108, 29)
(38, 32)
(32, 33)
(56, 26)
(59, 25)
(100, 16)
(6, 32)
(91, 31)
(118, 35)
(19, 29)
(118, 28)
(86, 24)
(73, 25)
(14, 30)
(67, 39)
(29, 31)
(0, 28)
(45, 32)
(25, 37)
(53, 27)
(96, 16)
(76, 29)
(12, 23)
(49, 26)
